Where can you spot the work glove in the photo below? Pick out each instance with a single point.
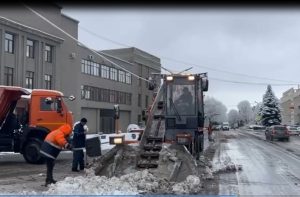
(68, 146)
(86, 129)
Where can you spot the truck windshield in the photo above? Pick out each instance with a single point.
(183, 98)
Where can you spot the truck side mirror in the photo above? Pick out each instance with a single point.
(204, 84)
(72, 98)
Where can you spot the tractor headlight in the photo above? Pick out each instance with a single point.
(116, 139)
(169, 78)
(191, 77)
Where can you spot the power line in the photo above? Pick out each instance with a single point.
(250, 83)
(103, 38)
(118, 43)
(189, 63)
(226, 71)
(70, 36)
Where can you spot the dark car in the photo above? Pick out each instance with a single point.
(277, 132)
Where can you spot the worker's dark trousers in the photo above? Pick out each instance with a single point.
(78, 159)
(50, 165)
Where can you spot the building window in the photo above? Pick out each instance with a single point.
(96, 69)
(9, 43)
(112, 97)
(113, 74)
(139, 82)
(87, 93)
(139, 100)
(82, 65)
(121, 76)
(48, 82)
(139, 119)
(82, 92)
(121, 98)
(29, 79)
(8, 76)
(146, 101)
(128, 99)
(128, 78)
(105, 95)
(89, 67)
(48, 53)
(30, 49)
(105, 72)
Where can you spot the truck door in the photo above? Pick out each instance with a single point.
(48, 112)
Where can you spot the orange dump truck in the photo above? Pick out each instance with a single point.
(27, 116)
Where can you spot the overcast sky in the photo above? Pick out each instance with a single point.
(252, 42)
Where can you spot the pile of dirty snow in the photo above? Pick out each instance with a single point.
(141, 182)
(222, 167)
(190, 186)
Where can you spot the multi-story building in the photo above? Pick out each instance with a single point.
(104, 84)
(34, 54)
(290, 106)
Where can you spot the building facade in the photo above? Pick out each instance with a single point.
(290, 106)
(36, 55)
(105, 84)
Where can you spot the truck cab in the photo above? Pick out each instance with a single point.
(225, 126)
(27, 116)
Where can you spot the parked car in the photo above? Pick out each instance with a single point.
(277, 132)
(217, 127)
(292, 130)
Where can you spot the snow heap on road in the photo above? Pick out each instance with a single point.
(226, 166)
(189, 186)
(140, 182)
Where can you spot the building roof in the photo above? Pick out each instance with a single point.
(64, 15)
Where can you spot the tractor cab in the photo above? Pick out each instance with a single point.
(184, 114)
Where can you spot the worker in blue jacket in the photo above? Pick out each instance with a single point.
(78, 143)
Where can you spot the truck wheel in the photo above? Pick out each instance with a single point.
(31, 152)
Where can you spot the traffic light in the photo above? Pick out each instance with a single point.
(117, 111)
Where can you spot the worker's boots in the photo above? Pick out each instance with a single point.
(50, 181)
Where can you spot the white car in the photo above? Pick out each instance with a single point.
(293, 130)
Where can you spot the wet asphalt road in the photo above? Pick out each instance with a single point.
(268, 168)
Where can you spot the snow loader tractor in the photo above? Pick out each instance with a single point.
(176, 116)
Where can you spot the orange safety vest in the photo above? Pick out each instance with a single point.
(58, 136)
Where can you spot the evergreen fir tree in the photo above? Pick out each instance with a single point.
(269, 110)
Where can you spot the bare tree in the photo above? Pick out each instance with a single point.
(215, 110)
(245, 112)
(233, 117)
(256, 111)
